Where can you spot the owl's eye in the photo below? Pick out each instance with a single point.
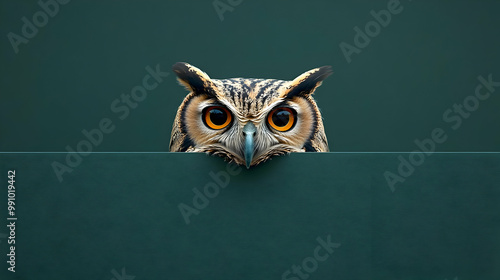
(216, 117)
(282, 119)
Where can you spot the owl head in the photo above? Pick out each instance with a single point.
(248, 121)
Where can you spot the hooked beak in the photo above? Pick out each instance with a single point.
(249, 131)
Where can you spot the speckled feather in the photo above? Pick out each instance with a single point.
(249, 100)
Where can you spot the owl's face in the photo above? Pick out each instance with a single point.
(248, 120)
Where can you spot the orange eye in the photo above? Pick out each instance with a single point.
(282, 119)
(216, 117)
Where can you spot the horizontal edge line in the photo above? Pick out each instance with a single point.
(294, 153)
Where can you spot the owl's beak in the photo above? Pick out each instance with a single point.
(249, 131)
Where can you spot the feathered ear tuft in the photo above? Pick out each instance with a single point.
(306, 83)
(193, 78)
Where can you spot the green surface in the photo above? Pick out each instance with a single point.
(119, 211)
(394, 91)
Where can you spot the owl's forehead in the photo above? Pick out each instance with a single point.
(250, 95)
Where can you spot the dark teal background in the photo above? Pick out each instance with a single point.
(121, 211)
(393, 92)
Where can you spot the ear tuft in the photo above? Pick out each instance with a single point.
(306, 83)
(193, 78)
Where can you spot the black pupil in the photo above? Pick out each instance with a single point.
(281, 118)
(218, 116)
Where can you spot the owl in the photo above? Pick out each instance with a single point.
(248, 121)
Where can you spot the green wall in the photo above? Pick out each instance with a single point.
(398, 93)
(394, 91)
(119, 211)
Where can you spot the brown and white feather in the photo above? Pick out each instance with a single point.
(248, 100)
